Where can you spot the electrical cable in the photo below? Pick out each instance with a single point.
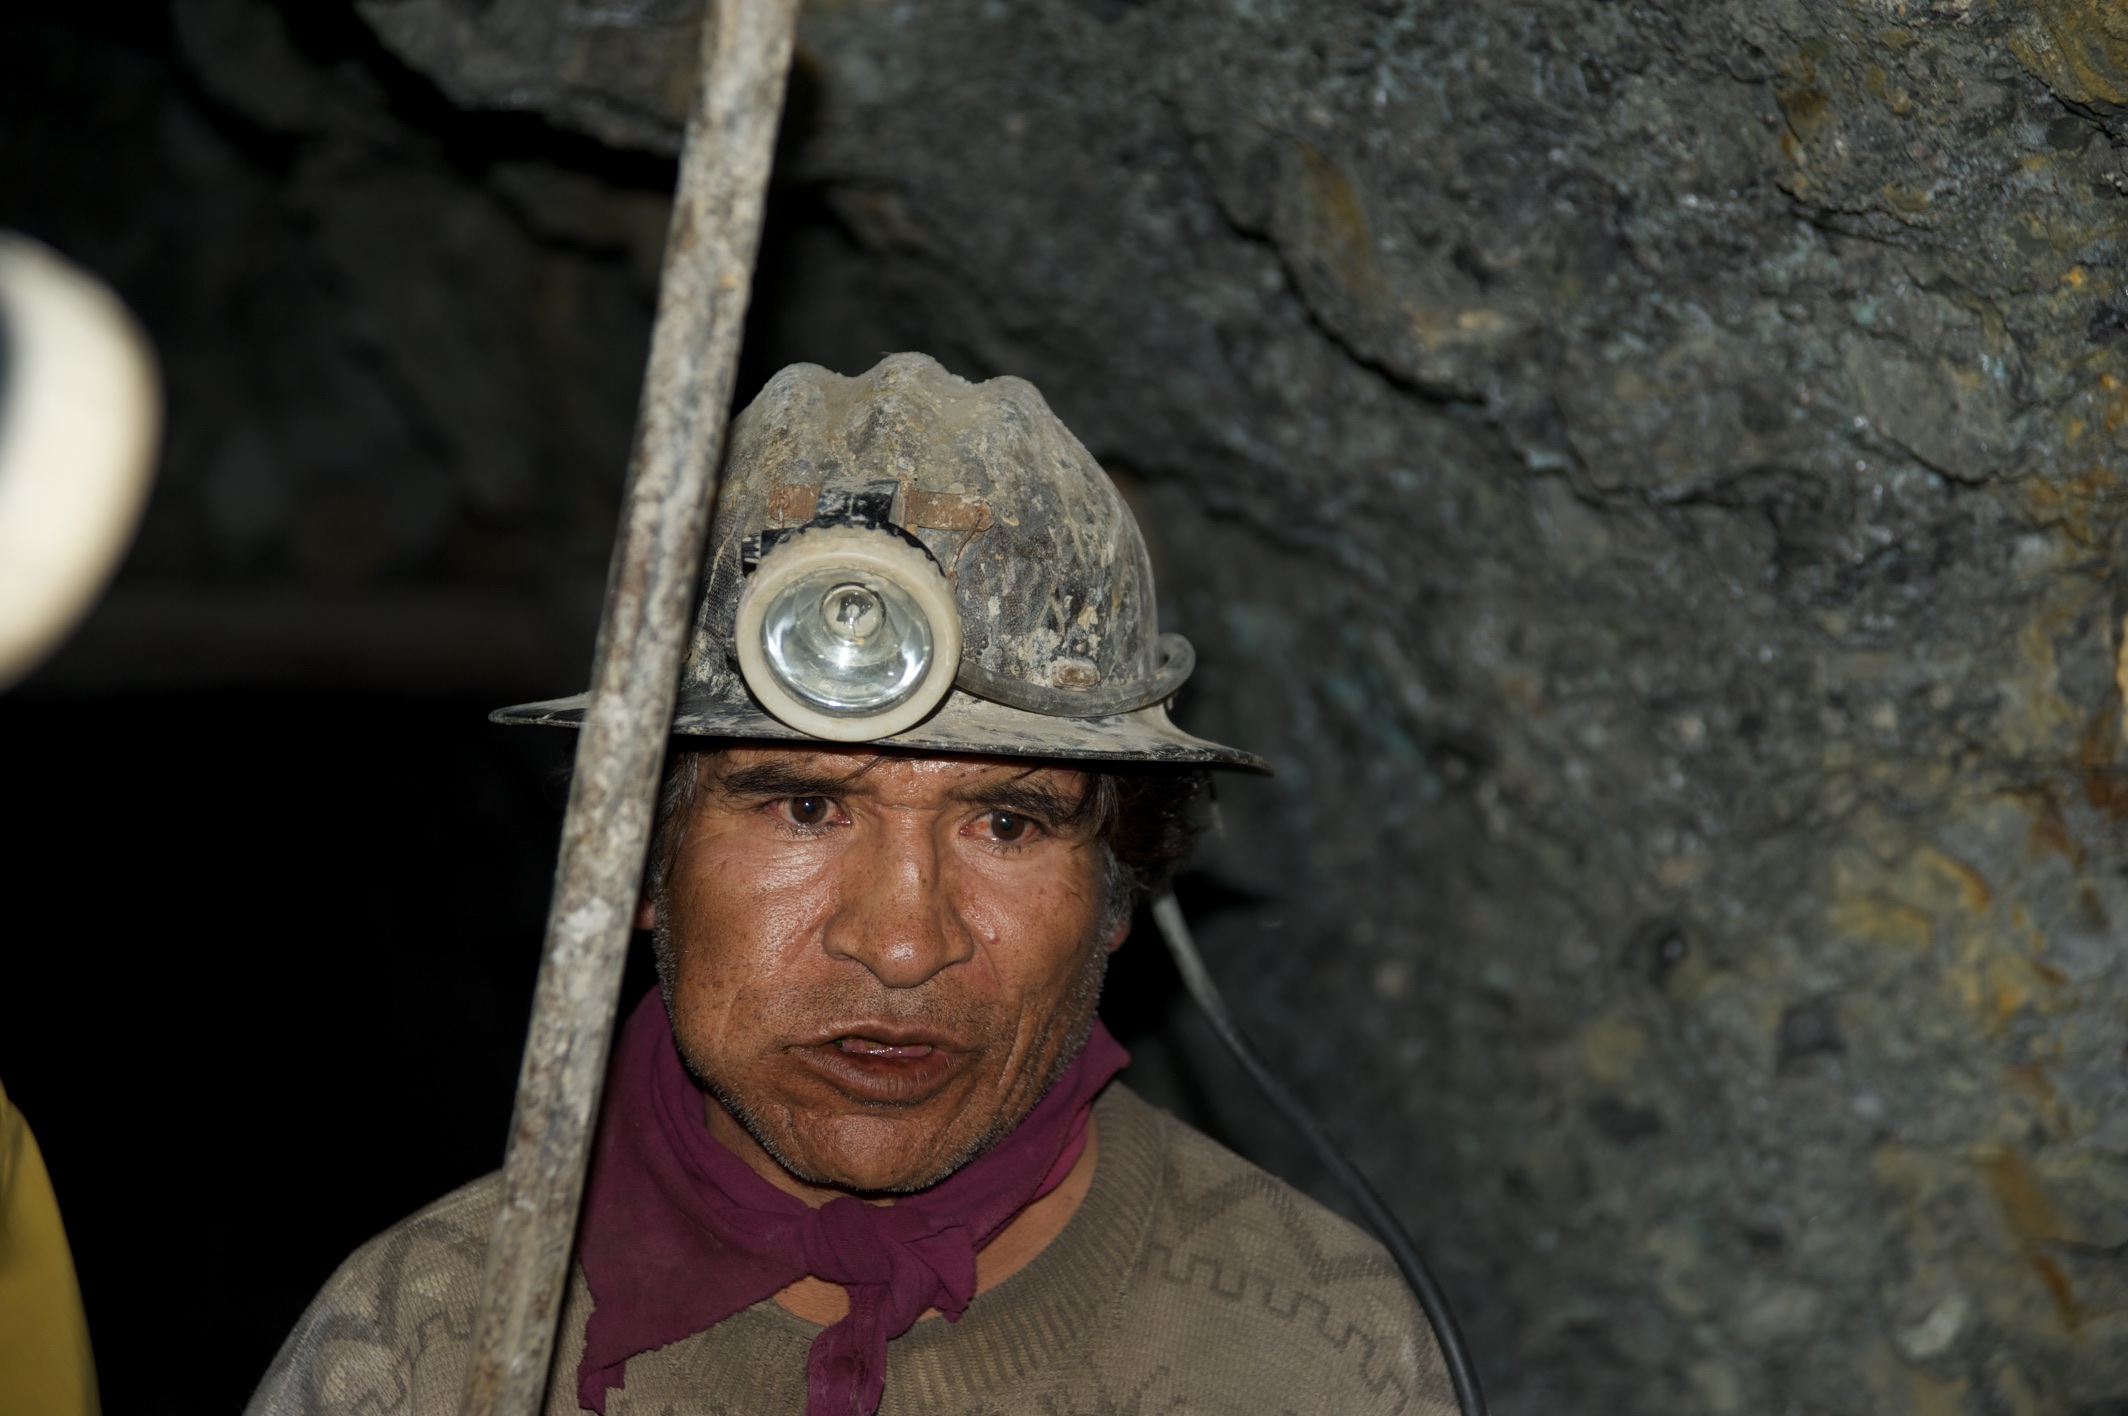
(1462, 1371)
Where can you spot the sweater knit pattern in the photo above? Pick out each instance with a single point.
(1188, 1280)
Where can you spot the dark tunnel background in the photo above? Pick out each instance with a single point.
(264, 995)
(1653, 478)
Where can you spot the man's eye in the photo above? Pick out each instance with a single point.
(809, 811)
(1010, 827)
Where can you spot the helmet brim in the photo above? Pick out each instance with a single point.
(963, 723)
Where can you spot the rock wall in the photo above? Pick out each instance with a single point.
(1651, 476)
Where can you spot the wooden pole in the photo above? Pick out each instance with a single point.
(650, 589)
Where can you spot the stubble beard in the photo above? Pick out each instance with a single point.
(1070, 1024)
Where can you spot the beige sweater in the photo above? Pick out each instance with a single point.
(1189, 1281)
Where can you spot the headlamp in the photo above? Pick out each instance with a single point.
(848, 633)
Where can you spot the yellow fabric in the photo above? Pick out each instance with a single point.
(45, 1366)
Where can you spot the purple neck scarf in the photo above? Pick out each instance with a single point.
(678, 1233)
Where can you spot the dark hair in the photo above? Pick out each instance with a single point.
(1148, 819)
(1146, 816)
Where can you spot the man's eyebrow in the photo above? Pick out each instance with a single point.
(1021, 794)
(785, 779)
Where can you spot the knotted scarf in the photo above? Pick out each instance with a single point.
(679, 1233)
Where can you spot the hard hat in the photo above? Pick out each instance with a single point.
(911, 559)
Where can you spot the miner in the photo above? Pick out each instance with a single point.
(862, 1149)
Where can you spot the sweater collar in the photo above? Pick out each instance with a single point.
(1049, 1309)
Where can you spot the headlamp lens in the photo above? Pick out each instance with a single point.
(848, 643)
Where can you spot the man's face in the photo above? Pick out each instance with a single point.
(878, 962)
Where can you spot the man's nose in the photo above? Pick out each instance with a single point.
(894, 917)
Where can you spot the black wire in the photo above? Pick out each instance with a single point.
(1462, 1371)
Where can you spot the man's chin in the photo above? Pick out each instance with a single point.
(820, 1135)
(872, 1155)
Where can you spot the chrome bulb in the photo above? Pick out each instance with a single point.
(853, 612)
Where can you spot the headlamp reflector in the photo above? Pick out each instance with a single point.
(848, 633)
(847, 644)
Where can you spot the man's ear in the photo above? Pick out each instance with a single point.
(646, 913)
(1116, 936)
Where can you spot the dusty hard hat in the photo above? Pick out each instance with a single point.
(911, 559)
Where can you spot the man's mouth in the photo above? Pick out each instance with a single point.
(873, 1047)
(895, 1068)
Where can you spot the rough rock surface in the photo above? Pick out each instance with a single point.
(1652, 477)
(1651, 474)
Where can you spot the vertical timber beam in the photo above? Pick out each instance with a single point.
(657, 557)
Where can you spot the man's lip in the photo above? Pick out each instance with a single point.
(891, 1036)
(880, 1063)
(872, 1047)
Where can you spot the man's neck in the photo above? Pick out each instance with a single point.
(1030, 1232)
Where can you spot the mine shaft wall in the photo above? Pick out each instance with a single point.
(1650, 477)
